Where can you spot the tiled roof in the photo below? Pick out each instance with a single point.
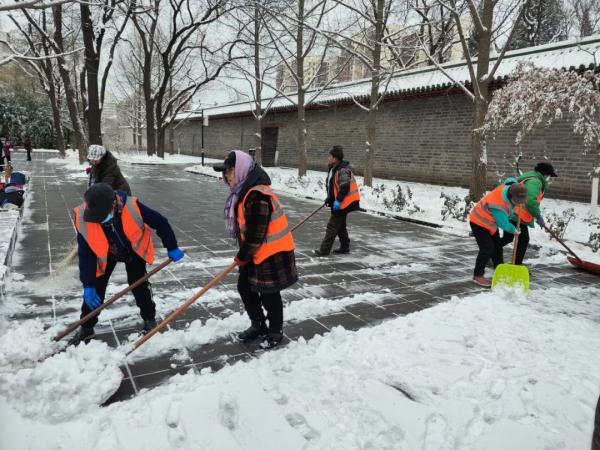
(568, 55)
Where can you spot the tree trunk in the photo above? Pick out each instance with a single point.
(58, 129)
(92, 62)
(70, 98)
(477, 186)
(371, 146)
(301, 124)
(160, 142)
(258, 89)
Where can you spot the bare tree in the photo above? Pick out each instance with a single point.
(586, 17)
(94, 34)
(296, 38)
(493, 22)
(189, 56)
(43, 66)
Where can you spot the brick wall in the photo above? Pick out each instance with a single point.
(421, 139)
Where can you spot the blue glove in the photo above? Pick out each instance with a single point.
(176, 254)
(540, 221)
(90, 297)
(336, 205)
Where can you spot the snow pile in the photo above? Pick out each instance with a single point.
(24, 344)
(58, 388)
(493, 371)
(426, 203)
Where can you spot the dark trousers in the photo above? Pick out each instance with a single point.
(596, 435)
(28, 154)
(336, 227)
(507, 238)
(489, 247)
(254, 302)
(136, 269)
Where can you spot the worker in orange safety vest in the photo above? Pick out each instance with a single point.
(343, 196)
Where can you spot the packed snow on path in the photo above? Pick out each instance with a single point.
(491, 371)
(427, 197)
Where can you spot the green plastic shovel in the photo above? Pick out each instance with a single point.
(511, 274)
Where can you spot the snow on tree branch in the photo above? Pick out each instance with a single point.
(536, 96)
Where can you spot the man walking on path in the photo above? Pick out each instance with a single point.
(343, 197)
(536, 181)
(113, 227)
(492, 212)
(104, 169)
(28, 146)
(256, 219)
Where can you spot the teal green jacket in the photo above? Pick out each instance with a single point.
(535, 184)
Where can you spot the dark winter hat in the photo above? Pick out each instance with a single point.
(545, 169)
(227, 164)
(99, 201)
(337, 151)
(517, 193)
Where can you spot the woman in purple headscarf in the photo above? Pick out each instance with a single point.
(255, 218)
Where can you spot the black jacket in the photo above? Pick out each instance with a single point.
(119, 247)
(345, 176)
(108, 171)
(278, 271)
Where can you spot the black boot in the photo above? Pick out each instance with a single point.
(257, 329)
(149, 325)
(84, 334)
(341, 250)
(272, 340)
(319, 253)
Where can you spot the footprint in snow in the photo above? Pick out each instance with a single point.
(228, 412)
(299, 423)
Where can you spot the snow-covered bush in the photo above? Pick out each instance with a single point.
(559, 223)
(456, 207)
(594, 239)
(401, 200)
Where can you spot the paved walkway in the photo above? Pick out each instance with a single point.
(395, 268)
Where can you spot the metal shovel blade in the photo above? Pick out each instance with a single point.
(511, 275)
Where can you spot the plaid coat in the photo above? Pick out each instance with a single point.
(276, 272)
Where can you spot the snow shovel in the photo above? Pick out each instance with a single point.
(575, 260)
(216, 280)
(114, 298)
(512, 274)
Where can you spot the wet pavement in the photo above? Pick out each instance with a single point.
(395, 268)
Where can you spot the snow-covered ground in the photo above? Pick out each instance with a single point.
(134, 157)
(426, 204)
(492, 371)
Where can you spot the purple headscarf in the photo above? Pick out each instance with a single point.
(243, 166)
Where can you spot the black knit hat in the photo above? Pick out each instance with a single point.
(545, 169)
(99, 201)
(337, 151)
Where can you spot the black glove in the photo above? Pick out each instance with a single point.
(328, 202)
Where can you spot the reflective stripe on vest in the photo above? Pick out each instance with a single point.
(524, 212)
(136, 231)
(353, 192)
(481, 214)
(278, 238)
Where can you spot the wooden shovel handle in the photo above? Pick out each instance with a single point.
(113, 299)
(516, 241)
(216, 280)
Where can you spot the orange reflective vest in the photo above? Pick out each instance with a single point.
(353, 193)
(523, 212)
(136, 232)
(482, 215)
(278, 239)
